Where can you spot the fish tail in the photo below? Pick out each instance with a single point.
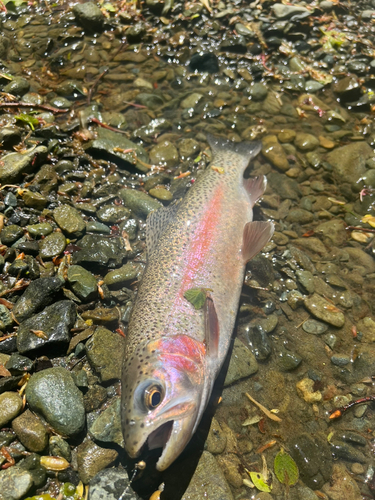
(224, 150)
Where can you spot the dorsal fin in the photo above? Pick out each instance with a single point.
(156, 224)
(255, 187)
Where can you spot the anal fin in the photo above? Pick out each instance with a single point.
(255, 236)
(255, 187)
(212, 330)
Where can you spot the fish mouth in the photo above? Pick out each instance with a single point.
(160, 436)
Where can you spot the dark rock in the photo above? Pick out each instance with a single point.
(242, 363)
(14, 165)
(37, 295)
(10, 407)
(313, 457)
(348, 88)
(69, 220)
(92, 459)
(18, 86)
(14, 483)
(257, 340)
(140, 203)
(107, 427)
(83, 283)
(54, 322)
(10, 234)
(18, 365)
(89, 16)
(54, 395)
(52, 245)
(204, 63)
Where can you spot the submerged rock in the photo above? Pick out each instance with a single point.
(242, 363)
(92, 459)
(324, 310)
(14, 483)
(105, 352)
(110, 484)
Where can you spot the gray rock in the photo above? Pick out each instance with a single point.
(83, 283)
(10, 406)
(208, 481)
(14, 165)
(286, 188)
(37, 295)
(360, 258)
(91, 459)
(340, 359)
(105, 352)
(18, 365)
(334, 232)
(54, 321)
(314, 327)
(54, 395)
(258, 91)
(151, 101)
(155, 127)
(306, 142)
(89, 16)
(38, 230)
(97, 227)
(288, 361)
(112, 143)
(346, 451)
(306, 279)
(30, 431)
(69, 220)
(14, 483)
(191, 101)
(348, 88)
(188, 148)
(53, 245)
(349, 161)
(110, 484)
(140, 203)
(282, 11)
(18, 86)
(322, 309)
(107, 427)
(300, 491)
(5, 317)
(99, 250)
(242, 363)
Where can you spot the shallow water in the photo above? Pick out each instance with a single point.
(301, 85)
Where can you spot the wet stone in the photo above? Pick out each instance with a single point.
(92, 459)
(322, 309)
(164, 153)
(288, 361)
(83, 283)
(18, 268)
(10, 407)
(314, 327)
(53, 394)
(130, 226)
(89, 16)
(306, 142)
(305, 389)
(94, 398)
(18, 364)
(30, 431)
(208, 481)
(34, 199)
(10, 234)
(14, 165)
(110, 484)
(105, 352)
(349, 161)
(101, 315)
(140, 203)
(191, 101)
(299, 216)
(242, 363)
(69, 220)
(274, 152)
(346, 451)
(55, 323)
(58, 447)
(161, 194)
(126, 273)
(112, 214)
(188, 148)
(306, 279)
(107, 427)
(32, 465)
(97, 227)
(38, 230)
(37, 295)
(216, 440)
(52, 245)
(341, 485)
(18, 86)
(5, 317)
(258, 341)
(313, 457)
(99, 250)
(14, 483)
(340, 359)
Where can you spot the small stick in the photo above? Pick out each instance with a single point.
(355, 228)
(95, 84)
(264, 409)
(31, 105)
(339, 412)
(101, 124)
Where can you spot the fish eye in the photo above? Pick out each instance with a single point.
(153, 396)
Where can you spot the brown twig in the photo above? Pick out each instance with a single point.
(101, 124)
(45, 107)
(355, 228)
(95, 84)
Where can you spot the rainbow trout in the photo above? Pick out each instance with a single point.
(174, 349)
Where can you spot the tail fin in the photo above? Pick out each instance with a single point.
(221, 148)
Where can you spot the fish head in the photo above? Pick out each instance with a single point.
(164, 394)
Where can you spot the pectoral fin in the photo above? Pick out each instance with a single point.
(255, 187)
(255, 236)
(211, 324)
